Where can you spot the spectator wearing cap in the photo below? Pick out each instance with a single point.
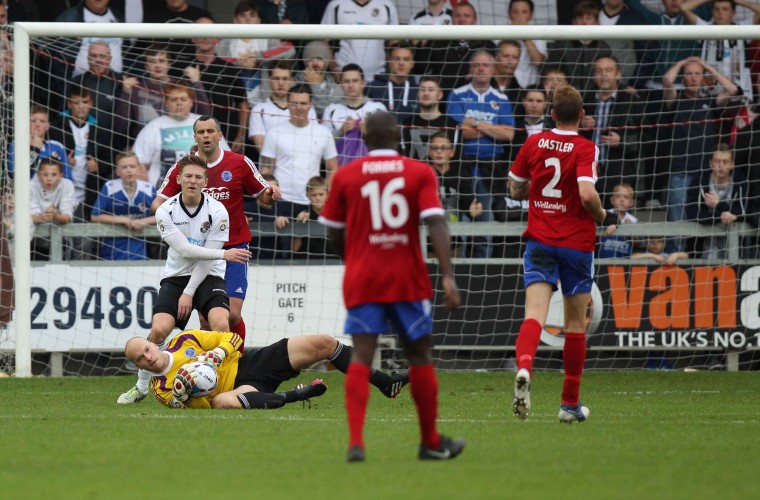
(325, 90)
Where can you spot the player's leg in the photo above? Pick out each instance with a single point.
(541, 275)
(364, 323)
(573, 357)
(414, 321)
(247, 397)
(236, 279)
(307, 350)
(219, 319)
(162, 325)
(213, 304)
(577, 280)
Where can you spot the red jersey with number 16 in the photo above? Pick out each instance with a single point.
(230, 177)
(380, 200)
(555, 162)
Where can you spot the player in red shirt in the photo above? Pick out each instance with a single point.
(556, 171)
(373, 214)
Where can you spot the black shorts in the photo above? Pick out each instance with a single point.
(211, 293)
(266, 368)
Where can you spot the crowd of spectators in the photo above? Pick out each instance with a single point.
(673, 120)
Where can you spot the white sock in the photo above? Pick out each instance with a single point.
(143, 379)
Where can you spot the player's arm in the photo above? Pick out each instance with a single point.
(157, 202)
(518, 190)
(179, 243)
(201, 269)
(221, 342)
(591, 201)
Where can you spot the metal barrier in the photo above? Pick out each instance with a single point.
(732, 232)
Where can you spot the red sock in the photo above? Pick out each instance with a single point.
(527, 343)
(239, 328)
(574, 355)
(357, 397)
(423, 385)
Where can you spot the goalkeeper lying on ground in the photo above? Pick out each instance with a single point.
(244, 381)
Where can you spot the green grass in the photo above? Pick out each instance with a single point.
(650, 435)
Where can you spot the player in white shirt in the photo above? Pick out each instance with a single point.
(369, 54)
(294, 150)
(195, 226)
(166, 139)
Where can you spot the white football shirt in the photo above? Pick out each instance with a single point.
(298, 152)
(207, 222)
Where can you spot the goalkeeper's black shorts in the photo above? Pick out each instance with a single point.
(266, 368)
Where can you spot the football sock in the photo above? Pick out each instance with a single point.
(424, 388)
(341, 359)
(255, 400)
(527, 343)
(239, 328)
(143, 380)
(357, 397)
(573, 355)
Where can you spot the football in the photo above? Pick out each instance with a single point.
(205, 382)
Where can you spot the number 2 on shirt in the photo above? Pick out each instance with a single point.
(549, 190)
(381, 204)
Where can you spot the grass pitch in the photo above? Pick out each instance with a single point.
(649, 435)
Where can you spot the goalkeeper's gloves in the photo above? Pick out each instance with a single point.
(175, 403)
(184, 382)
(213, 357)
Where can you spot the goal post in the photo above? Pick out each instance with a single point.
(24, 33)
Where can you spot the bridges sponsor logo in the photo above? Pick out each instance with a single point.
(218, 193)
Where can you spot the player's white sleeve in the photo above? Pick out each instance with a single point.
(202, 269)
(187, 250)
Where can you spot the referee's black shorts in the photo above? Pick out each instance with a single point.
(266, 368)
(211, 293)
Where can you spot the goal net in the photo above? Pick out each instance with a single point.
(466, 98)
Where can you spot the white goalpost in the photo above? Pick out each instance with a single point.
(629, 336)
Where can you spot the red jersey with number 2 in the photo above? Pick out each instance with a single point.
(555, 162)
(230, 177)
(380, 200)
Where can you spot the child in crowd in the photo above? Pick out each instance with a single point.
(456, 192)
(267, 246)
(40, 145)
(53, 201)
(656, 251)
(125, 201)
(623, 199)
(313, 246)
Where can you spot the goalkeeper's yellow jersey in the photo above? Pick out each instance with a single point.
(184, 348)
